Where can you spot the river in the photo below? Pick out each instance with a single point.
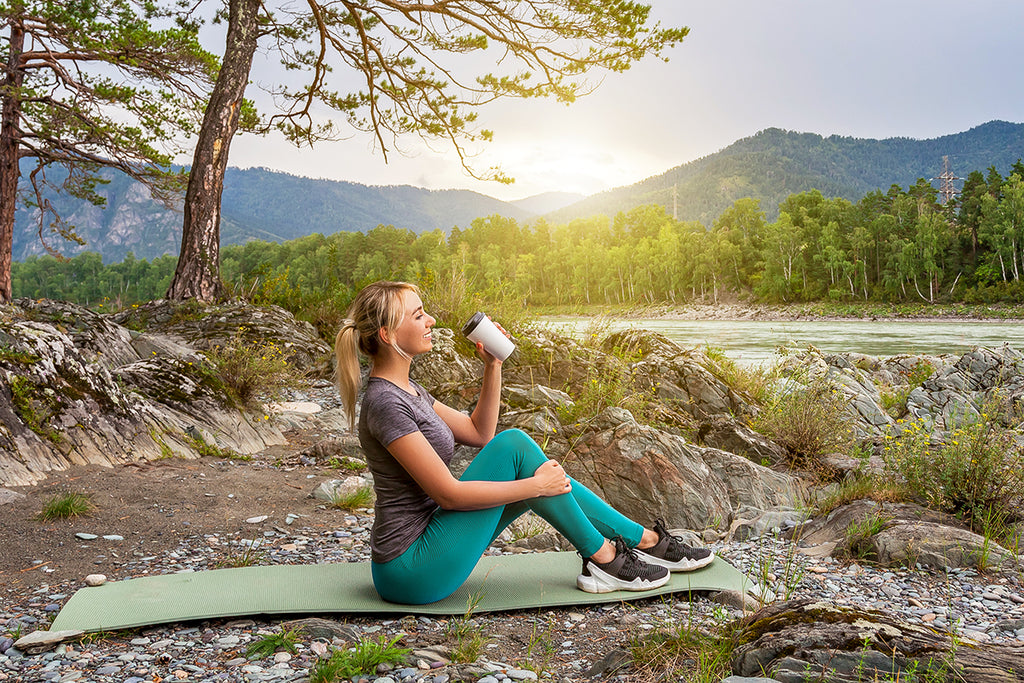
(752, 342)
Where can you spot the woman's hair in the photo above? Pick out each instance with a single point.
(381, 304)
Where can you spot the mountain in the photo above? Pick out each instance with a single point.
(257, 203)
(263, 204)
(775, 163)
(546, 202)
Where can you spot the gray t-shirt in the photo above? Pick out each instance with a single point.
(403, 509)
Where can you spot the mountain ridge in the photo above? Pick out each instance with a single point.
(261, 203)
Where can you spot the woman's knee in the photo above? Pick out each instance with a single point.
(515, 439)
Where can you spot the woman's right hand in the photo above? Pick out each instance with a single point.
(552, 479)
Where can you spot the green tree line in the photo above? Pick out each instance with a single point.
(902, 245)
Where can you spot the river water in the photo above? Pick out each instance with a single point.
(751, 342)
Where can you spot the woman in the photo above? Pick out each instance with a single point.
(430, 528)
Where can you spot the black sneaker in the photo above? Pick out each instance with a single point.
(626, 572)
(670, 552)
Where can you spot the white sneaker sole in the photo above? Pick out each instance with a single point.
(683, 565)
(600, 581)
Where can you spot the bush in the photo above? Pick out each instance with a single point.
(808, 421)
(610, 381)
(249, 370)
(975, 472)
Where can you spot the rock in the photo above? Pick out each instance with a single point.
(75, 390)
(8, 496)
(536, 396)
(738, 599)
(645, 473)
(345, 446)
(786, 640)
(450, 376)
(41, 641)
(203, 327)
(616, 660)
(777, 521)
(95, 580)
(908, 534)
(725, 433)
(751, 484)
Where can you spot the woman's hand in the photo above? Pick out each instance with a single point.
(487, 358)
(552, 479)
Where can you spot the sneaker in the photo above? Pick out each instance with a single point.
(626, 572)
(670, 552)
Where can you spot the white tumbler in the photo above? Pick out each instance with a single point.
(481, 329)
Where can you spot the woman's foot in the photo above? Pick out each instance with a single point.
(670, 552)
(625, 571)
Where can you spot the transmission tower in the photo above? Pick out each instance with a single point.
(947, 190)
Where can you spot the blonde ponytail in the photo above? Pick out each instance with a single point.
(346, 375)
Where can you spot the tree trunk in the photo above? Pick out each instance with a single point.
(10, 144)
(198, 272)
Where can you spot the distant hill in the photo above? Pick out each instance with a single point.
(547, 202)
(775, 163)
(263, 204)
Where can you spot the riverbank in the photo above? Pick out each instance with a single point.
(734, 310)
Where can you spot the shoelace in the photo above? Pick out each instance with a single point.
(631, 562)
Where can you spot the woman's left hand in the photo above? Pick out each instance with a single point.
(487, 358)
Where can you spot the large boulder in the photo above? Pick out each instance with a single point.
(645, 474)
(959, 391)
(206, 326)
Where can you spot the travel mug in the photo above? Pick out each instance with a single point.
(481, 329)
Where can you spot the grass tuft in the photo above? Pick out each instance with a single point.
(362, 659)
(360, 498)
(270, 643)
(66, 506)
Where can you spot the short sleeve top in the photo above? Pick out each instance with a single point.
(403, 509)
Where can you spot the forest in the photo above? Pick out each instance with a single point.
(901, 245)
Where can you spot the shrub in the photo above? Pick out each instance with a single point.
(270, 643)
(250, 370)
(360, 498)
(808, 421)
(976, 471)
(756, 381)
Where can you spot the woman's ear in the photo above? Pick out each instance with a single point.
(384, 336)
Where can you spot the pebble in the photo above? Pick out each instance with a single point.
(982, 608)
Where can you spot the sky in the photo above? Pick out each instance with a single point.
(860, 68)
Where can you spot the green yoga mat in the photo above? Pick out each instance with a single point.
(501, 582)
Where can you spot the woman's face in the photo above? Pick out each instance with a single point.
(413, 334)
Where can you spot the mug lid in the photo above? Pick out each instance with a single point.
(473, 322)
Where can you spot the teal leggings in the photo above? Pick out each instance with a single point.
(442, 558)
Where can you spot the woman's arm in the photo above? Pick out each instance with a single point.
(477, 428)
(420, 460)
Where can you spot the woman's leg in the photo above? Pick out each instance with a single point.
(443, 557)
(577, 515)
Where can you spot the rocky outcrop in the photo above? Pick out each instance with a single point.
(789, 641)
(82, 388)
(903, 534)
(204, 327)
